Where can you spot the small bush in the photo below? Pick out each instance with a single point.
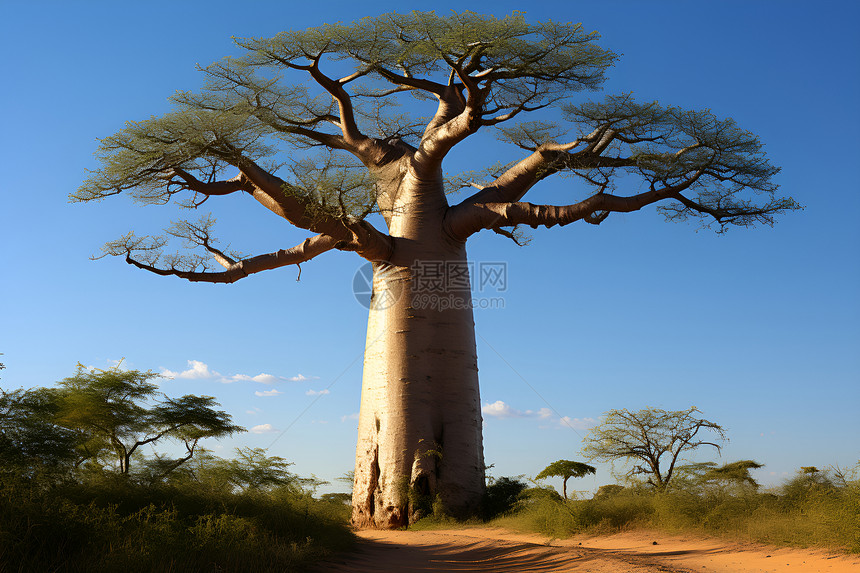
(501, 496)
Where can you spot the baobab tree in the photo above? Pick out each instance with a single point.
(303, 123)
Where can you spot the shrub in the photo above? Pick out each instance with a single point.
(501, 496)
(113, 525)
(811, 509)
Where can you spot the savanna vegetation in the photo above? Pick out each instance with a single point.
(77, 492)
(659, 490)
(812, 508)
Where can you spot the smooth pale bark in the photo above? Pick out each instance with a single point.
(419, 434)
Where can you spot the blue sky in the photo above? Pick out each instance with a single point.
(759, 328)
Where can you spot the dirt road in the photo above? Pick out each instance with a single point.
(503, 551)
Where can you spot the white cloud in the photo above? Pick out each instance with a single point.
(197, 371)
(577, 423)
(253, 412)
(263, 429)
(303, 378)
(317, 392)
(271, 392)
(544, 413)
(499, 409)
(261, 378)
(353, 416)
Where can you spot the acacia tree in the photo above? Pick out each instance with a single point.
(729, 477)
(31, 441)
(735, 474)
(360, 177)
(109, 412)
(565, 469)
(646, 436)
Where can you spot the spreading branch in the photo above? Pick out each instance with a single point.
(146, 253)
(468, 219)
(694, 165)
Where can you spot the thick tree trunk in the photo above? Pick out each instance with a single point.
(419, 433)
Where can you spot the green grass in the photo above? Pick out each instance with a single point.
(113, 527)
(820, 517)
(812, 509)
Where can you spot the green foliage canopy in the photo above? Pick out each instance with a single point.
(737, 473)
(646, 436)
(116, 411)
(565, 469)
(31, 440)
(317, 154)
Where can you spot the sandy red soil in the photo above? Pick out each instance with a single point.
(499, 550)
